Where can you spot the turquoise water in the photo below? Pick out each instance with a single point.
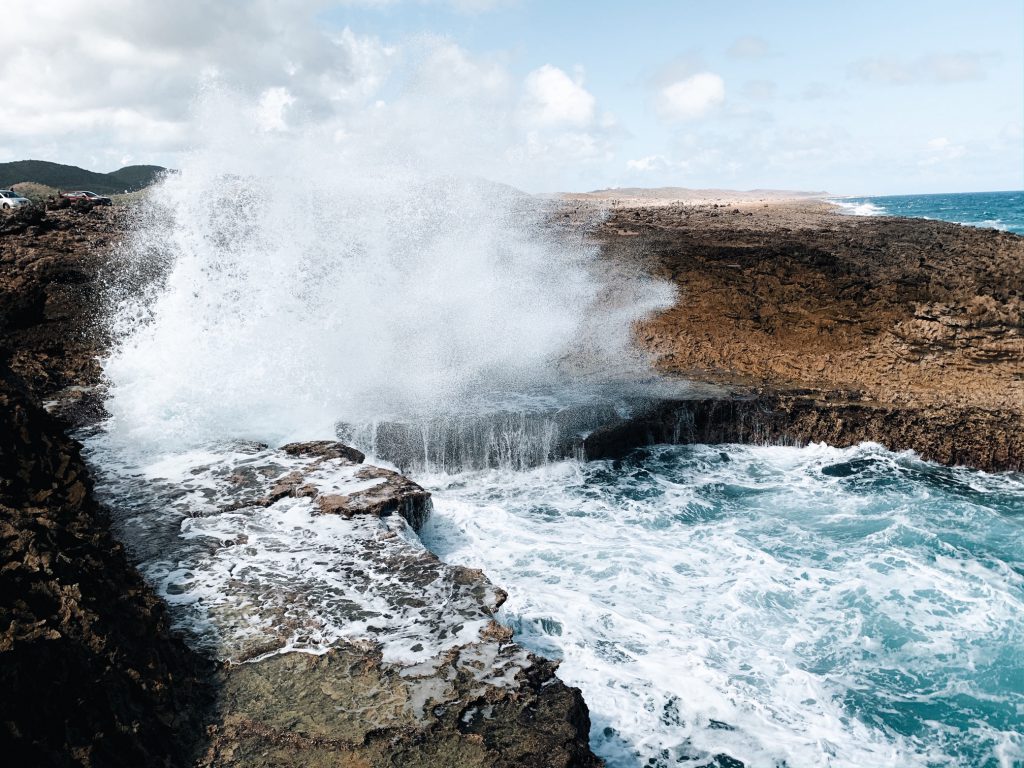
(725, 605)
(999, 210)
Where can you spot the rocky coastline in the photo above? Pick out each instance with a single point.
(821, 327)
(93, 673)
(835, 328)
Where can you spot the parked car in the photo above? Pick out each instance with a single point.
(10, 199)
(90, 197)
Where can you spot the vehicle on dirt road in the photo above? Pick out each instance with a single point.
(10, 200)
(88, 197)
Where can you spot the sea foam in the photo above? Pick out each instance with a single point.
(782, 606)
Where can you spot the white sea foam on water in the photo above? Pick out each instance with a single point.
(782, 606)
(990, 223)
(245, 578)
(859, 208)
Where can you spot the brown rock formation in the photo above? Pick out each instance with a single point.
(90, 673)
(364, 713)
(903, 331)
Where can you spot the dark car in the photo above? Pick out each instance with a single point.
(88, 197)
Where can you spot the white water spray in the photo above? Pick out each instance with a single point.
(312, 275)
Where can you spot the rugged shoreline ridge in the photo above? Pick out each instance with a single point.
(824, 327)
(93, 674)
(833, 328)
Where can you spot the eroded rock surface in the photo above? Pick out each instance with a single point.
(365, 713)
(908, 332)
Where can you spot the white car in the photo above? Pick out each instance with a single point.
(9, 200)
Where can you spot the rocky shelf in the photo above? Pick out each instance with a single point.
(837, 328)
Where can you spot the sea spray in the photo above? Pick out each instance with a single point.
(300, 277)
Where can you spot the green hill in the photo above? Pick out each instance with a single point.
(69, 177)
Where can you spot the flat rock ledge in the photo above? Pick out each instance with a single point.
(346, 707)
(981, 438)
(832, 328)
(343, 640)
(486, 702)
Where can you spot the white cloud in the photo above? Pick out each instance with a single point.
(553, 98)
(569, 146)
(116, 77)
(451, 74)
(941, 68)
(941, 150)
(649, 163)
(91, 85)
(691, 98)
(562, 124)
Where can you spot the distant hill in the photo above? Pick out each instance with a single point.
(69, 177)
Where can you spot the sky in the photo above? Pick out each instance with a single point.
(866, 98)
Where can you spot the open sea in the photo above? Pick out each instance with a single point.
(998, 210)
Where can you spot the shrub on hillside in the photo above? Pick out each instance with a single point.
(37, 193)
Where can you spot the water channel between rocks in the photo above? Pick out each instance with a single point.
(778, 605)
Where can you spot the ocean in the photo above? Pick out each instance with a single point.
(718, 605)
(775, 606)
(998, 210)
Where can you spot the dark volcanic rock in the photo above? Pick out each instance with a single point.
(49, 267)
(89, 672)
(974, 437)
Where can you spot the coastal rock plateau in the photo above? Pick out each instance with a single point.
(837, 328)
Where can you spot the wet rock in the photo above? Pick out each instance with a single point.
(321, 477)
(981, 438)
(363, 712)
(410, 666)
(325, 449)
(395, 495)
